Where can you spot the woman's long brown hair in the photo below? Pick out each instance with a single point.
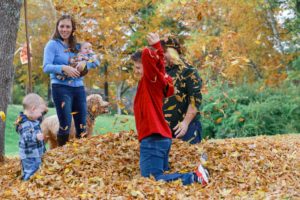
(72, 38)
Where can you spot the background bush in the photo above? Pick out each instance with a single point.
(250, 110)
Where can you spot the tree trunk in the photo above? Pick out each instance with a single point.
(255, 69)
(273, 25)
(10, 16)
(119, 89)
(106, 82)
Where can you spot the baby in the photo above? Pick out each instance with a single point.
(85, 53)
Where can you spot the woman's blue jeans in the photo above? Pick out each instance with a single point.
(154, 158)
(70, 101)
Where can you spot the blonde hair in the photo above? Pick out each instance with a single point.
(32, 100)
(174, 57)
(85, 43)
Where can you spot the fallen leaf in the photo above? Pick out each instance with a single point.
(2, 115)
(219, 120)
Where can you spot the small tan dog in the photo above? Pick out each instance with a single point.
(95, 107)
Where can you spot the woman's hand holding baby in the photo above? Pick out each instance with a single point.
(81, 66)
(70, 71)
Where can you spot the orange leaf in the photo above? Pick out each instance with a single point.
(219, 120)
(199, 16)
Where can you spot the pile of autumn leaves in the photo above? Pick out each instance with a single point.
(107, 167)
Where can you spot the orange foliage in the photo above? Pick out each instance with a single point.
(228, 39)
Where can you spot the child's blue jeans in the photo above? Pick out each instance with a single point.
(70, 100)
(154, 158)
(30, 166)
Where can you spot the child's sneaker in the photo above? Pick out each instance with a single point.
(202, 175)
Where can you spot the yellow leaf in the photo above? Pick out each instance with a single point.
(93, 108)
(183, 171)
(118, 28)
(77, 162)
(74, 113)
(64, 128)
(219, 120)
(235, 154)
(67, 170)
(126, 112)
(124, 120)
(37, 176)
(234, 62)
(2, 115)
(84, 196)
(171, 107)
(206, 58)
(121, 105)
(192, 99)
(246, 60)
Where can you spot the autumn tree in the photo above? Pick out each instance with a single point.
(236, 40)
(10, 15)
(232, 40)
(108, 26)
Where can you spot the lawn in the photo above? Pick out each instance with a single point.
(104, 124)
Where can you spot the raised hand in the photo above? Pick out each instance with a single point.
(152, 38)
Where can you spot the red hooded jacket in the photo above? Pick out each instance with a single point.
(148, 102)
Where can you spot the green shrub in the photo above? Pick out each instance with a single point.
(18, 94)
(249, 110)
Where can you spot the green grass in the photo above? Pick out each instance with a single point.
(104, 124)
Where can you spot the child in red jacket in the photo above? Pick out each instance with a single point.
(154, 133)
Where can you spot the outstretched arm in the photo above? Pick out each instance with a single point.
(151, 60)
